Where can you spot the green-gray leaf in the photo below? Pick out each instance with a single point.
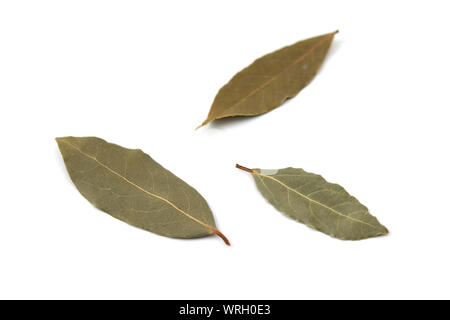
(310, 199)
(271, 79)
(132, 187)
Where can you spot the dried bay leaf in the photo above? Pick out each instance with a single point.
(271, 79)
(130, 186)
(310, 199)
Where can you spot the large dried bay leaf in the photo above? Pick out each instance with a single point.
(310, 199)
(132, 187)
(271, 79)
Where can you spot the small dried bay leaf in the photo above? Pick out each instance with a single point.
(310, 199)
(271, 79)
(132, 187)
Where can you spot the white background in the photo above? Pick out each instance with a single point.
(143, 74)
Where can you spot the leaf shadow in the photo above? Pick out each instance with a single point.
(225, 123)
(335, 47)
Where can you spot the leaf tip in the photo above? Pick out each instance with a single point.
(59, 140)
(204, 123)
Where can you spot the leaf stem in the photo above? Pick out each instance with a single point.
(244, 168)
(220, 234)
